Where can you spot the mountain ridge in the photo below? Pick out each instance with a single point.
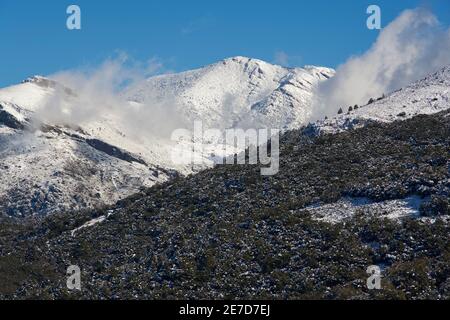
(57, 150)
(267, 96)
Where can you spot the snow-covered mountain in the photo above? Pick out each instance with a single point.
(238, 92)
(48, 166)
(52, 166)
(425, 96)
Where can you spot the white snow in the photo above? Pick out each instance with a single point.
(347, 208)
(28, 95)
(67, 173)
(92, 222)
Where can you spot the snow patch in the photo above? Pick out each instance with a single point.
(92, 222)
(346, 208)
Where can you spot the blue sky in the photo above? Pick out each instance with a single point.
(188, 34)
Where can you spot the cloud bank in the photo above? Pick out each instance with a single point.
(412, 46)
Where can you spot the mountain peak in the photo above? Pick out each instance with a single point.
(35, 78)
(245, 62)
(41, 81)
(241, 59)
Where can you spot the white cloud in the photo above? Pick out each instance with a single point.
(281, 58)
(286, 60)
(98, 92)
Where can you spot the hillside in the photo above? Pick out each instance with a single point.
(229, 232)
